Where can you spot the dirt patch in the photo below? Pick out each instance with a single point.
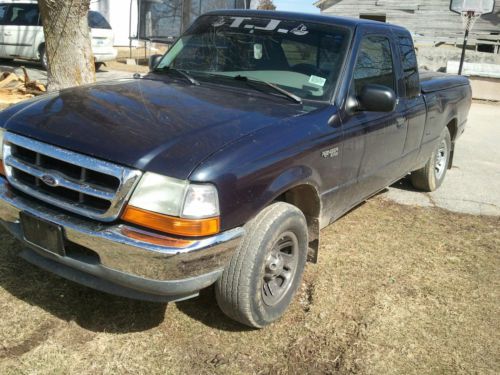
(35, 339)
(398, 290)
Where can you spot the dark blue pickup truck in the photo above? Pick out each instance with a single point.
(252, 133)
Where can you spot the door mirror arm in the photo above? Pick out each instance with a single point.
(352, 105)
(153, 61)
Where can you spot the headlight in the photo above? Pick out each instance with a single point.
(174, 206)
(159, 194)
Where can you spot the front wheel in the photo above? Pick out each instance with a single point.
(431, 176)
(266, 270)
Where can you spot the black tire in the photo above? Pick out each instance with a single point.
(98, 65)
(432, 175)
(243, 291)
(43, 57)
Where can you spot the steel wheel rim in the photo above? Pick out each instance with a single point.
(280, 268)
(441, 159)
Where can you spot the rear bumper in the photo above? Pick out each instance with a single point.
(104, 54)
(107, 258)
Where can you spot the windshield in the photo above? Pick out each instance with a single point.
(97, 21)
(301, 57)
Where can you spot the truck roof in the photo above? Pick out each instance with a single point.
(307, 17)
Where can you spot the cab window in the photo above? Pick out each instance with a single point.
(374, 64)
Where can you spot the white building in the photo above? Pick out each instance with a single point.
(430, 21)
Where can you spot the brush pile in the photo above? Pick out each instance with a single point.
(15, 88)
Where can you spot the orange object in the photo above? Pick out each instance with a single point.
(2, 168)
(170, 224)
(156, 239)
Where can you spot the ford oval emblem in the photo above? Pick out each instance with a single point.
(49, 180)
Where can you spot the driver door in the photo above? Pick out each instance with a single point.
(383, 134)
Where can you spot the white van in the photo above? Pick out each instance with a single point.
(21, 33)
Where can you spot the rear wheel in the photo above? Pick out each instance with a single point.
(43, 57)
(266, 270)
(432, 175)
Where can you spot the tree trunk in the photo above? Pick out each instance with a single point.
(186, 15)
(67, 43)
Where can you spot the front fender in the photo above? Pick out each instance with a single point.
(257, 169)
(287, 180)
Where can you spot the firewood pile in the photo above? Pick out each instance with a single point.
(14, 88)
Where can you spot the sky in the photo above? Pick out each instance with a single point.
(296, 6)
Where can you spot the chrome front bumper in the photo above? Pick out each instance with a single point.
(108, 258)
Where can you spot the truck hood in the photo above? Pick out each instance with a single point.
(148, 124)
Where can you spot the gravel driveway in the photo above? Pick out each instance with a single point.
(472, 185)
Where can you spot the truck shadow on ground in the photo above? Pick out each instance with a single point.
(405, 184)
(205, 310)
(90, 309)
(93, 310)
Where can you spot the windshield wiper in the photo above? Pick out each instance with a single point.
(192, 80)
(288, 94)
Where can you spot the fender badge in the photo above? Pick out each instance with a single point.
(331, 153)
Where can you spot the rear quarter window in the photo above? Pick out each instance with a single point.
(318, 57)
(410, 67)
(97, 21)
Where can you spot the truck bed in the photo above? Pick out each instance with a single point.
(433, 81)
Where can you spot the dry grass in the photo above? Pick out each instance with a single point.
(398, 290)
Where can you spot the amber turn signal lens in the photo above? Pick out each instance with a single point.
(156, 239)
(2, 168)
(170, 224)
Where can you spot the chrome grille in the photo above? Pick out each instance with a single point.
(74, 182)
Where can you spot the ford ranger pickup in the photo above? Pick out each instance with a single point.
(222, 164)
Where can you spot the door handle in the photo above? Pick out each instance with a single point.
(400, 121)
(7, 33)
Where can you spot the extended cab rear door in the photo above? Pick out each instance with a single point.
(411, 98)
(383, 134)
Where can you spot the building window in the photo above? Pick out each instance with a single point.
(374, 17)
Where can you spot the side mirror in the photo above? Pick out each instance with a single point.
(153, 61)
(376, 98)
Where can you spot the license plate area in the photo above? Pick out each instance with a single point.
(42, 233)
